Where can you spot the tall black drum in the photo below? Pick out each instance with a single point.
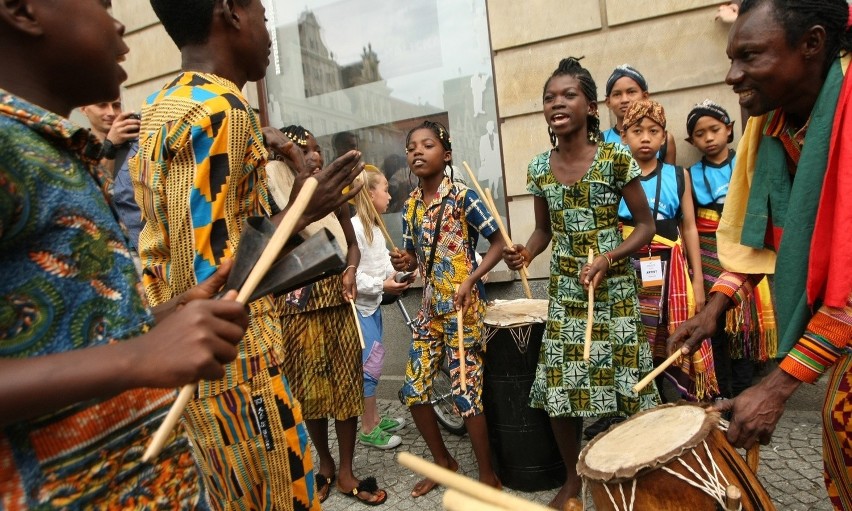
(525, 452)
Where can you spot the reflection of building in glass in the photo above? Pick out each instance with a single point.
(321, 72)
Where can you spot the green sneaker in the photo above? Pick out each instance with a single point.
(391, 424)
(379, 439)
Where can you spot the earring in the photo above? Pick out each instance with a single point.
(552, 136)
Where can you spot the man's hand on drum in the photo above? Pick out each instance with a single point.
(402, 261)
(516, 257)
(703, 325)
(463, 297)
(756, 411)
(593, 274)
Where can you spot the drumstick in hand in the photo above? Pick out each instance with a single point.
(357, 323)
(267, 257)
(657, 371)
(587, 347)
(506, 238)
(462, 364)
(492, 208)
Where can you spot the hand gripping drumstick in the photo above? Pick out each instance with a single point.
(454, 481)
(357, 324)
(492, 208)
(460, 334)
(267, 257)
(657, 371)
(587, 347)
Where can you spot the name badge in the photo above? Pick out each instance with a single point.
(651, 269)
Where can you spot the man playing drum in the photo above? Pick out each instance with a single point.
(788, 60)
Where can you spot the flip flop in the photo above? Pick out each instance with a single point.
(323, 485)
(370, 487)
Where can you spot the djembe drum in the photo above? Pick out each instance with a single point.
(668, 458)
(525, 452)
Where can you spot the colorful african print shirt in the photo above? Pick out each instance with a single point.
(454, 253)
(199, 174)
(68, 282)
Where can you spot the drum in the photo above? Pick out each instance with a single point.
(526, 456)
(668, 458)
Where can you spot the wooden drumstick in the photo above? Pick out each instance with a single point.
(505, 233)
(587, 347)
(462, 363)
(267, 257)
(384, 229)
(657, 371)
(492, 208)
(454, 481)
(357, 323)
(455, 500)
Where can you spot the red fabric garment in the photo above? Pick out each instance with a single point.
(830, 265)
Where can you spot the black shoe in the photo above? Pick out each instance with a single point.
(601, 425)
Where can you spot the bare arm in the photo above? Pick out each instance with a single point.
(353, 253)
(519, 256)
(689, 231)
(489, 260)
(184, 348)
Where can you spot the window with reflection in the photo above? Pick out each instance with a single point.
(362, 73)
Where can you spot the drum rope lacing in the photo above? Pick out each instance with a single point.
(709, 483)
(520, 334)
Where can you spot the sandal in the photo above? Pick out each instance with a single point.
(370, 487)
(323, 485)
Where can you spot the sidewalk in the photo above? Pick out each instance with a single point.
(790, 467)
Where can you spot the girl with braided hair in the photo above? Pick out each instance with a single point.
(442, 221)
(576, 187)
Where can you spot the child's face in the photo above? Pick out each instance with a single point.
(566, 108)
(379, 194)
(644, 139)
(426, 156)
(313, 154)
(625, 90)
(710, 136)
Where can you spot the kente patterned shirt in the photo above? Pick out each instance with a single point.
(67, 282)
(464, 219)
(198, 174)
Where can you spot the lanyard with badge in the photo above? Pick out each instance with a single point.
(651, 267)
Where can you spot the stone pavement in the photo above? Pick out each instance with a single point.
(790, 467)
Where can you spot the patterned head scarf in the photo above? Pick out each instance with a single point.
(644, 108)
(628, 71)
(708, 108)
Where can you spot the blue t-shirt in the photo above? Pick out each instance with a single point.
(669, 201)
(710, 181)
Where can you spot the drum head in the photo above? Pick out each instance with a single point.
(647, 440)
(511, 313)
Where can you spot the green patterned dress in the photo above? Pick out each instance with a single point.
(585, 216)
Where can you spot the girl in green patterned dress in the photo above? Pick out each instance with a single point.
(576, 187)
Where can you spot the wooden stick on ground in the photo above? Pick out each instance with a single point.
(267, 257)
(587, 347)
(357, 323)
(657, 371)
(492, 208)
(460, 334)
(452, 480)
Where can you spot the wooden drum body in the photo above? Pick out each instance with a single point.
(672, 457)
(525, 453)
